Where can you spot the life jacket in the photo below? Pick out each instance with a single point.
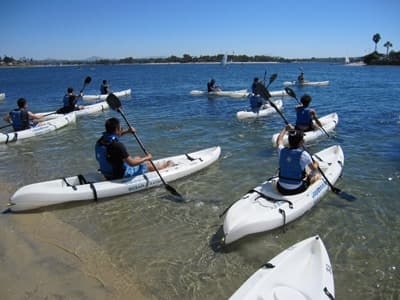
(290, 171)
(102, 154)
(103, 89)
(255, 102)
(303, 117)
(20, 119)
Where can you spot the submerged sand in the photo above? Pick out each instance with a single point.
(43, 258)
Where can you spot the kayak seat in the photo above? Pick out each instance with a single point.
(286, 292)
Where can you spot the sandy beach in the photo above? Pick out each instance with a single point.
(44, 258)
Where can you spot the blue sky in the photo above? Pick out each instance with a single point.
(73, 29)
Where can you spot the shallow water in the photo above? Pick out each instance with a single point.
(169, 246)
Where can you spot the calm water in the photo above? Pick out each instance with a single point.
(168, 246)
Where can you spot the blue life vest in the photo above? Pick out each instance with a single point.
(290, 171)
(255, 103)
(102, 155)
(103, 89)
(20, 119)
(304, 117)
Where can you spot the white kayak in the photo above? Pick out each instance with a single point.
(328, 122)
(93, 186)
(235, 94)
(2, 96)
(317, 83)
(302, 271)
(264, 208)
(39, 129)
(266, 110)
(88, 110)
(104, 97)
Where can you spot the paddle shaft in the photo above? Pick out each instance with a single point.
(265, 94)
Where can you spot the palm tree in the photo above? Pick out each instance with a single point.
(376, 38)
(388, 45)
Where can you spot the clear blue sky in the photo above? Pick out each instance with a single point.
(77, 29)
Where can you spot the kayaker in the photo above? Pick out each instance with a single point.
(293, 177)
(305, 115)
(20, 117)
(300, 78)
(104, 87)
(70, 102)
(211, 86)
(255, 100)
(114, 160)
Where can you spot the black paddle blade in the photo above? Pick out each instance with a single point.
(272, 78)
(290, 92)
(88, 80)
(174, 192)
(113, 101)
(262, 90)
(343, 195)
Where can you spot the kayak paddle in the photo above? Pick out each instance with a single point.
(88, 79)
(115, 104)
(292, 94)
(334, 189)
(262, 90)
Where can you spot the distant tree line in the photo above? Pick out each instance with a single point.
(376, 58)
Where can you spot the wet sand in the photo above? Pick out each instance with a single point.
(43, 258)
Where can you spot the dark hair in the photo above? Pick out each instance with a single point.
(255, 79)
(295, 138)
(104, 81)
(112, 124)
(305, 100)
(21, 102)
(70, 90)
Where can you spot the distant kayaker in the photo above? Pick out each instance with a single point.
(104, 87)
(211, 86)
(20, 118)
(255, 100)
(70, 102)
(293, 177)
(306, 115)
(300, 78)
(114, 160)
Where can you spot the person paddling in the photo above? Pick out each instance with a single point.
(256, 102)
(104, 88)
(211, 86)
(293, 160)
(70, 102)
(20, 117)
(300, 78)
(114, 160)
(305, 115)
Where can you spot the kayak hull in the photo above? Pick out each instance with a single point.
(264, 111)
(88, 110)
(312, 83)
(40, 129)
(234, 94)
(123, 93)
(254, 213)
(328, 122)
(94, 186)
(302, 271)
(2, 96)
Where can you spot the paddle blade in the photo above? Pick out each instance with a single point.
(174, 192)
(262, 90)
(290, 92)
(343, 195)
(113, 101)
(88, 80)
(272, 78)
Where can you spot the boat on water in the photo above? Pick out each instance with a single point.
(123, 93)
(302, 271)
(2, 96)
(87, 110)
(234, 94)
(40, 128)
(312, 83)
(94, 186)
(264, 208)
(329, 123)
(265, 110)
